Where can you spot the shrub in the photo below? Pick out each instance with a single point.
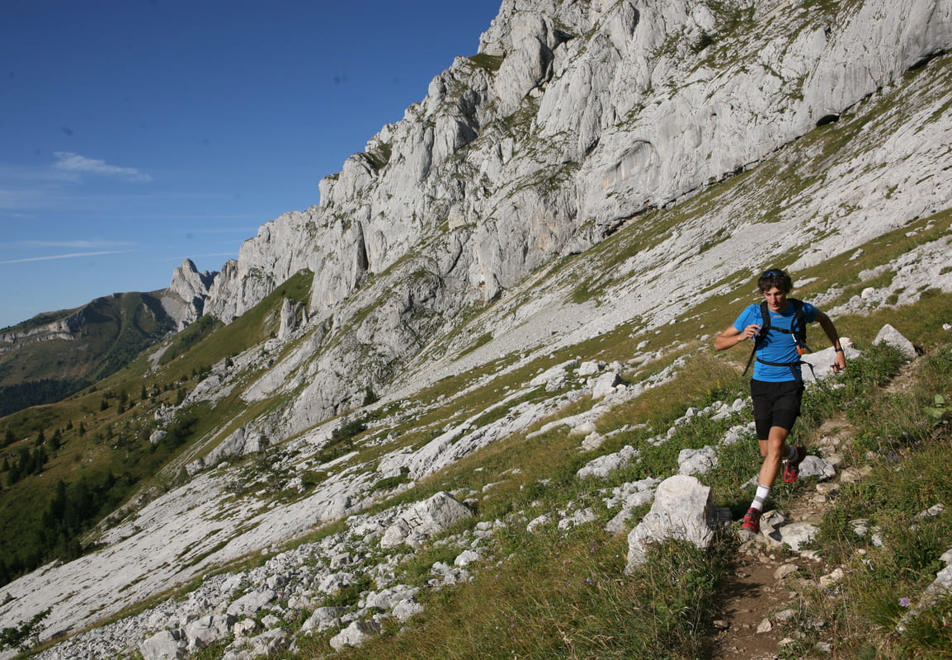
(24, 635)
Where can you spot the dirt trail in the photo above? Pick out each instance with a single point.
(758, 597)
(752, 594)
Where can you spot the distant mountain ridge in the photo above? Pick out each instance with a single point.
(57, 353)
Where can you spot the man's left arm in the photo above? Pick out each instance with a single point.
(839, 362)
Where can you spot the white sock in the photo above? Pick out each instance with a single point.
(763, 492)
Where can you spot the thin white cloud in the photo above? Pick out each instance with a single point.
(71, 255)
(71, 162)
(34, 175)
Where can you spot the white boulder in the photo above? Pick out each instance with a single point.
(891, 337)
(696, 461)
(425, 519)
(605, 465)
(164, 645)
(682, 510)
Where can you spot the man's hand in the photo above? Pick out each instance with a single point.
(731, 336)
(839, 362)
(751, 331)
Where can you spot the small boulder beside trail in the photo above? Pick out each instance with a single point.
(891, 337)
(682, 509)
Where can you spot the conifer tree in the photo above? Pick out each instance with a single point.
(39, 459)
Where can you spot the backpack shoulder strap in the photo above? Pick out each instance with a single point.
(761, 338)
(764, 325)
(799, 324)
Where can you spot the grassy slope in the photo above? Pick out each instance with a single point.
(564, 595)
(114, 330)
(104, 451)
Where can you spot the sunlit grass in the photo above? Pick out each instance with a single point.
(896, 554)
(565, 596)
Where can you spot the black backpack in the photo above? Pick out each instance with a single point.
(798, 328)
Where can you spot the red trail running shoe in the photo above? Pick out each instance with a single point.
(751, 520)
(792, 469)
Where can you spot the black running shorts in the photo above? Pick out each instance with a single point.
(775, 404)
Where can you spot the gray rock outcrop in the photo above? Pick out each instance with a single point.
(629, 496)
(61, 329)
(355, 634)
(682, 510)
(323, 618)
(184, 300)
(164, 645)
(822, 361)
(207, 630)
(891, 337)
(697, 461)
(424, 519)
(604, 465)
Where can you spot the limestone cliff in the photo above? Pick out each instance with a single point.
(184, 299)
(572, 118)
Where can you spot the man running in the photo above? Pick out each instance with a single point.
(777, 384)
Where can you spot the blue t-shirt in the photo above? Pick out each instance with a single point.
(780, 346)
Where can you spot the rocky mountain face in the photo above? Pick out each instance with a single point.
(184, 299)
(573, 118)
(599, 168)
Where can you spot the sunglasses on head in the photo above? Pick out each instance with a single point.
(773, 272)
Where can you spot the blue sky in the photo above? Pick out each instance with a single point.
(136, 133)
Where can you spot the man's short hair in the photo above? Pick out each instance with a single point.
(775, 278)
